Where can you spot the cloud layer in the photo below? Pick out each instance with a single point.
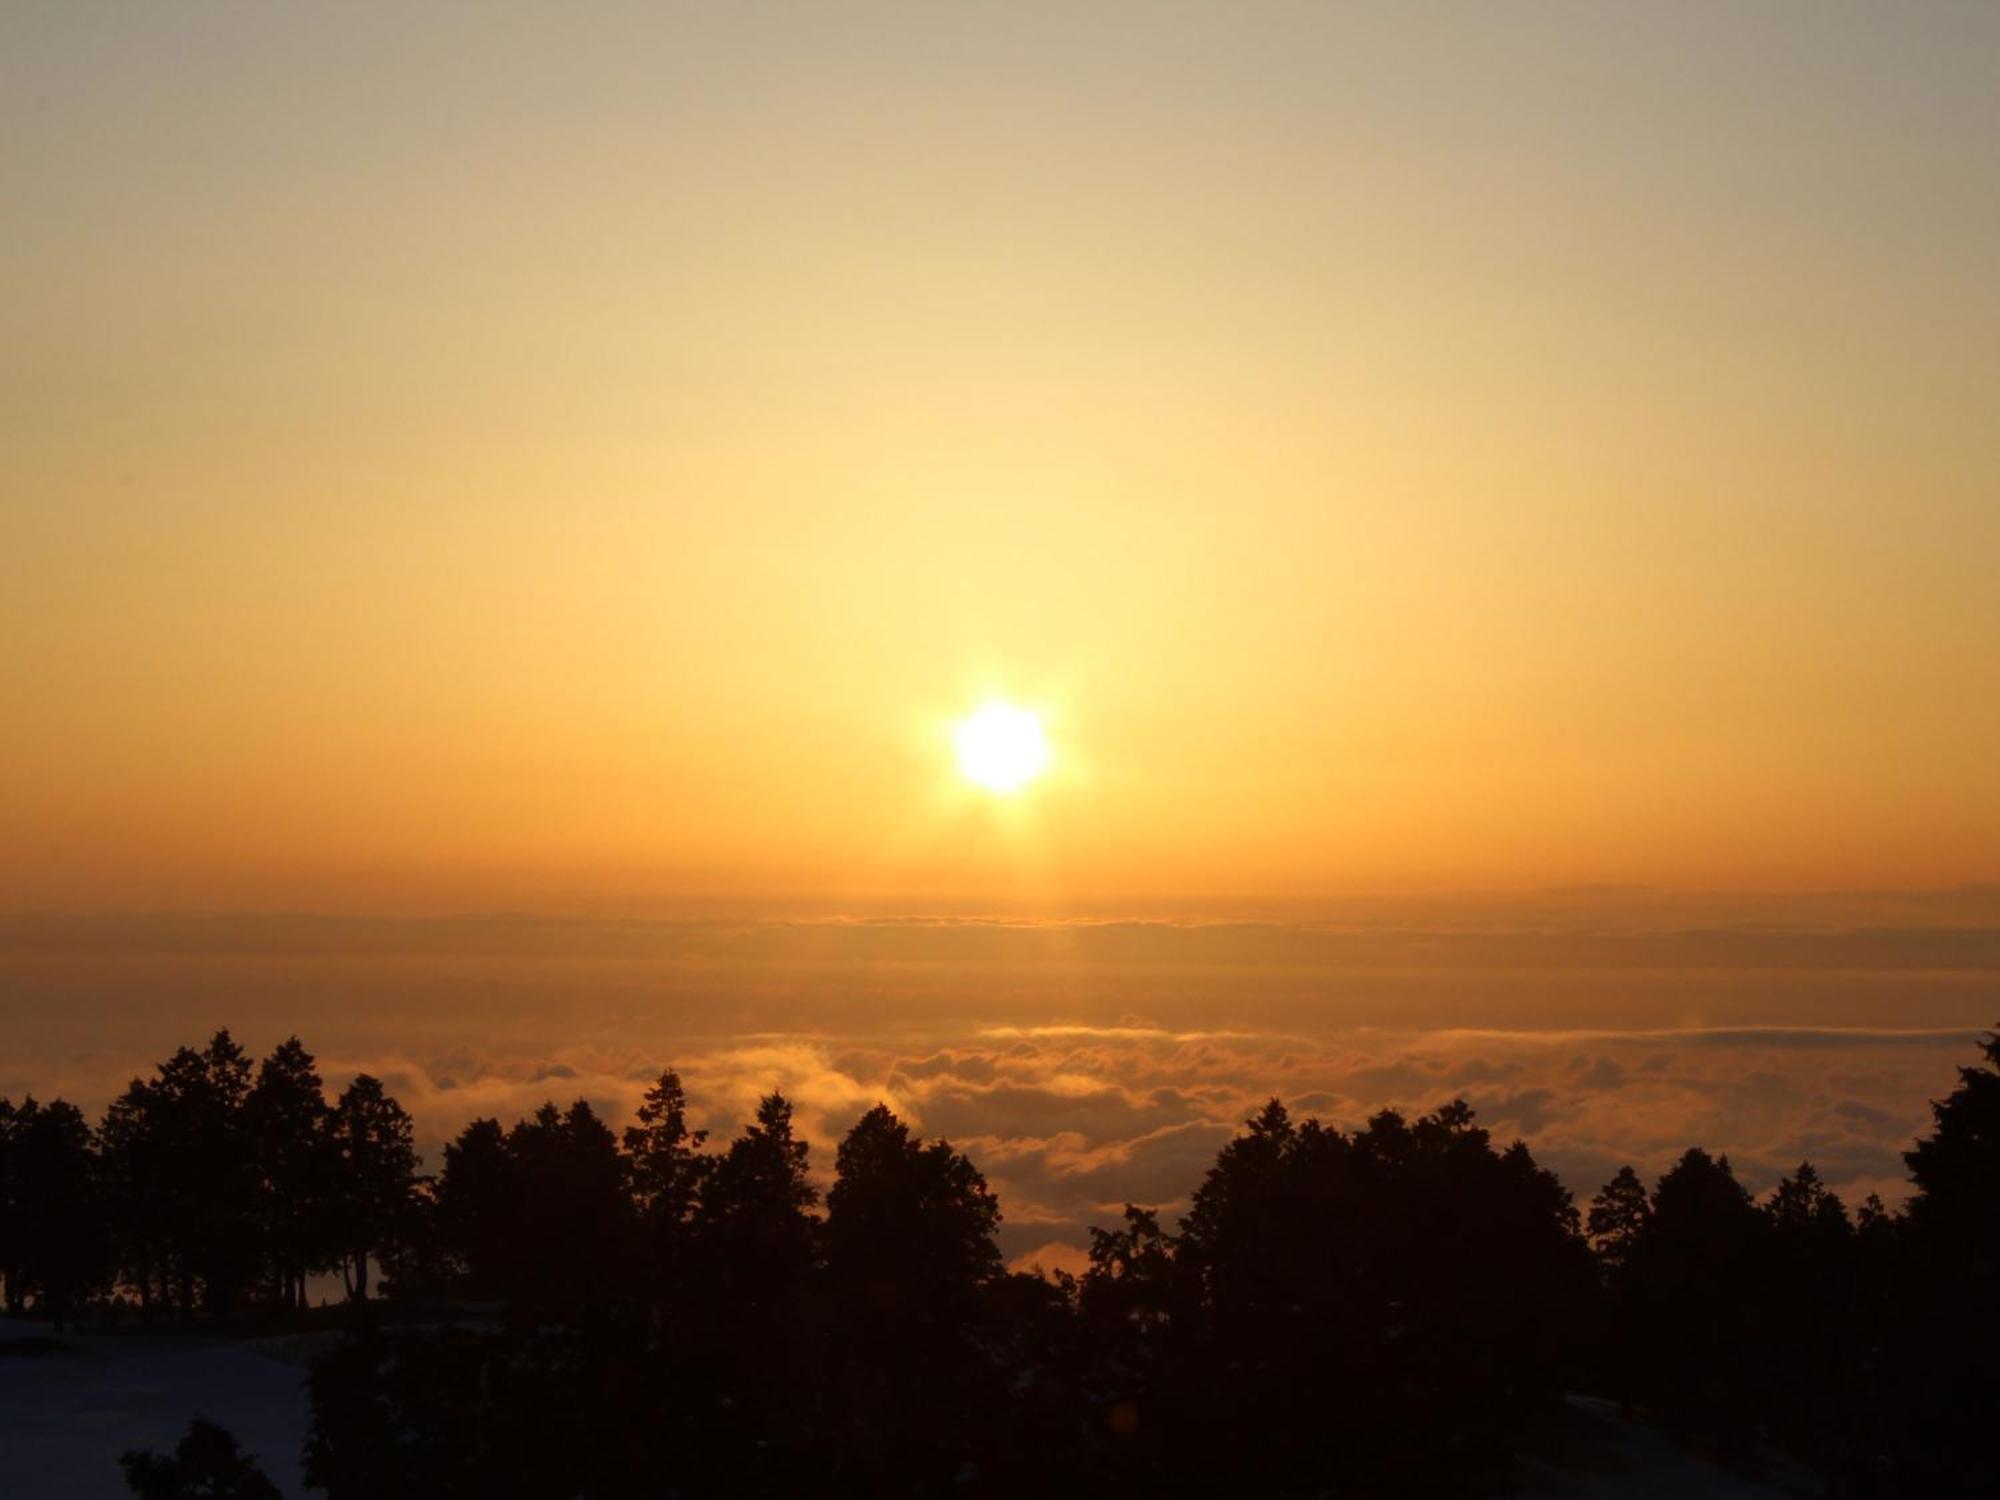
(1082, 1065)
(1071, 1122)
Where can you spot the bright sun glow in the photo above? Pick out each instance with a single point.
(1001, 747)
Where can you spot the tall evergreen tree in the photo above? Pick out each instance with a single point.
(1945, 1399)
(909, 1223)
(909, 1252)
(375, 1176)
(294, 1156)
(478, 1203)
(131, 1152)
(59, 1246)
(184, 1188)
(1802, 1205)
(573, 1226)
(1808, 1320)
(1618, 1217)
(756, 1212)
(1692, 1282)
(667, 1172)
(1957, 1166)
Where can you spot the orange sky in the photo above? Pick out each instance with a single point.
(476, 457)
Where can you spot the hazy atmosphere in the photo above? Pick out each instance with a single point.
(584, 470)
(1064, 569)
(483, 456)
(1094, 1062)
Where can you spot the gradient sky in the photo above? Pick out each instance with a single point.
(490, 454)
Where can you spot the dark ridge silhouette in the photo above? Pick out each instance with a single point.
(1393, 1309)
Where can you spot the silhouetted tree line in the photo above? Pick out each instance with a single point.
(206, 1189)
(1857, 1341)
(1381, 1311)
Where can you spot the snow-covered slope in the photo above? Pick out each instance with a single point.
(65, 1416)
(1606, 1456)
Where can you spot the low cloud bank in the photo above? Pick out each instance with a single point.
(1071, 1122)
(1085, 1064)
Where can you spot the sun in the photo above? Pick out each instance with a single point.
(1001, 747)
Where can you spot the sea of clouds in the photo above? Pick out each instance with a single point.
(1085, 1064)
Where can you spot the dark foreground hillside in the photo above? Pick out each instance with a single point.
(68, 1410)
(1404, 1308)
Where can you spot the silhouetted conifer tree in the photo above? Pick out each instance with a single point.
(1957, 1167)
(129, 1146)
(296, 1163)
(1618, 1217)
(56, 1245)
(909, 1250)
(1406, 1274)
(184, 1181)
(1801, 1208)
(909, 1224)
(573, 1223)
(375, 1177)
(667, 1172)
(756, 1211)
(750, 1313)
(1808, 1321)
(1691, 1283)
(1943, 1394)
(478, 1201)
